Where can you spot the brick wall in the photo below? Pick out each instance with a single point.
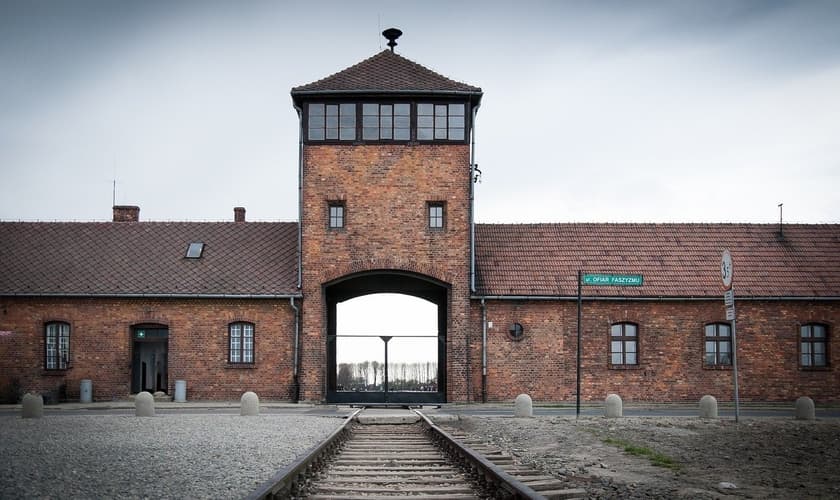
(385, 189)
(543, 363)
(101, 345)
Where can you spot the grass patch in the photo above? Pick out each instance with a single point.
(655, 457)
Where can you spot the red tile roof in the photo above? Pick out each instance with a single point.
(386, 72)
(147, 258)
(676, 260)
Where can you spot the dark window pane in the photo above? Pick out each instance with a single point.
(402, 122)
(806, 348)
(710, 358)
(316, 134)
(348, 120)
(723, 330)
(370, 133)
(631, 358)
(370, 121)
(819, 331)
(425, 121)
(332, 133)
(630, 330)
(616, 346)
(332, 110)
(385, 121)
(370, 109)
(424, 134)
(402, 109)
(348, 134)
(711, 347)
(440, 109)
(456, 121)
(316, 109)
(806, 360)
(316, 121)
(710, 330)
(456, 109)
(630, 346)
(402, 134)
(616, 359)
(456, 134)
(332, 122)
(725, 358)
(440, 122)
(385, 133)
(819, 359)
(440, 133)
(386, 110)
(425, 109)
(723, 346)
(615, 331)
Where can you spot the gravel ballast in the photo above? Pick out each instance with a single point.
(169, 456)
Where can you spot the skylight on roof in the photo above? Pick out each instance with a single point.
(194, 250)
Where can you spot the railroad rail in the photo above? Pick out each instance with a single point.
(416, 460)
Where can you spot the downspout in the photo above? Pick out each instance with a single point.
(296, 358)
(300, 196)
(483, 352)
(473, 168)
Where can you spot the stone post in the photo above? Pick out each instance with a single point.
(522, 406)
(249, 405)
(613, 406)
(33, 406)
(805, 408)
(144, 405)
(708, 407)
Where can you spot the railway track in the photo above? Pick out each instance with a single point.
(416, 460)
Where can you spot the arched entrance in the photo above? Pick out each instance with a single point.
(374, 361)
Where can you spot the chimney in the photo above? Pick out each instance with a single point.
(238, 214)
(126, 213)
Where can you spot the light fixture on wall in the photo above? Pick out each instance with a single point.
(516, 331)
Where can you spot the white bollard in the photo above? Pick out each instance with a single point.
(33, 406)
(708, 407)
(805, 408)
(249, 405)
(613, 406)
(144, 405)
(522, 406)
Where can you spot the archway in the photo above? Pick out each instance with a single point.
(386, 339)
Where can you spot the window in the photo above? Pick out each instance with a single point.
(57, 346)
(332, 122)
(436, 215)
(336, 215)
(386, 122)
(441, 122)
(194, 250)
(718, 342)
(813, 339)
(241, 343)
(624, 343)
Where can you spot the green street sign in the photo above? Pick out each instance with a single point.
(613, 279)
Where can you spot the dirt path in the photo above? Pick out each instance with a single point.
(757, 458)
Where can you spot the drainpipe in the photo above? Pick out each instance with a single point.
(300, 196)
(483, 352)
(472, 201)
(296, 358)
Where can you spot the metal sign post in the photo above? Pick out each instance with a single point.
(726, 272)
(580, 306)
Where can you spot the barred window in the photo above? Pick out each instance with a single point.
(241, 343)
(624, 344)
(813, 345)
(718, 342)
(386, 121)
(331, 122)
(441, 122)
(336, 217)
(57, 346)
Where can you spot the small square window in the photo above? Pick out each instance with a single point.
(194, 250)
(336, 216)
(436, 215)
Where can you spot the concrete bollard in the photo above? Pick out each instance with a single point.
(144, 405)
(805, 408)
(249, 405)
(522, 406)
(86, 391)
(613, 407)
(180, 391)
(708, 407)
(33, 406)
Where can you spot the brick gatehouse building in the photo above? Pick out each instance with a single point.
(386, 179)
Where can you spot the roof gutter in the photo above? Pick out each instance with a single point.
(477, 93)
(648, 299)
(158, 295)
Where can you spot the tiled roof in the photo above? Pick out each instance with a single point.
(147, 258)
(386, 72)
(676, 260)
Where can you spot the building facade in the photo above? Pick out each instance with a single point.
(386, 178)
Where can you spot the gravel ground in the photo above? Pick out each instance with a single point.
(170, 456)
(757, 458)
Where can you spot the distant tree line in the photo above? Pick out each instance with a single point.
(370, 376)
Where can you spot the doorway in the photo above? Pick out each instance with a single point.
(150, 352)
(387, 340)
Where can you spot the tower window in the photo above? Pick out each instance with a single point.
(441, 122)
(331, 122)
(386, 122)
(336, 215)
(436, 215)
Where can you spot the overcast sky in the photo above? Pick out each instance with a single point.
(593, 111)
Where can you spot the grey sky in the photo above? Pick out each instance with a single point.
(593, 111)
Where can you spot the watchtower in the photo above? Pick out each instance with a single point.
(386, 179)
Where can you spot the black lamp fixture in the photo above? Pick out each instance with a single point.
(392, 34)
